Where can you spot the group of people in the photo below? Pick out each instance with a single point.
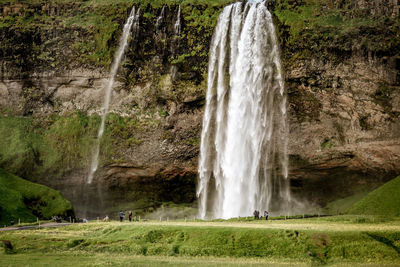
(56, 219)
(122, 216)
(257, 215)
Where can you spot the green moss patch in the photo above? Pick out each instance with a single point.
(32, 146)
(54, 145)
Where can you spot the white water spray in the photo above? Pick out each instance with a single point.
(177, 25)
(133, 19)
(243, 155)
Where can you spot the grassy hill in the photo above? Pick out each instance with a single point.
(385, 200)
(21, 199)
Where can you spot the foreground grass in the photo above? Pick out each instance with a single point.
(336, 240)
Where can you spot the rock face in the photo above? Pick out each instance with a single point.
(344, 112)
(344, 123)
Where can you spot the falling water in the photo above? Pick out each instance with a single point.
(243, 155)
(123, 42)
(160, 18)
(177, 25)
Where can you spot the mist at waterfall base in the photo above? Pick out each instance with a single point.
(243, 162)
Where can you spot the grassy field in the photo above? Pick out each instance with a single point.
(342, 240)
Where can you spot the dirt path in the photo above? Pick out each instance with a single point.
(316, 226)
(28, 227)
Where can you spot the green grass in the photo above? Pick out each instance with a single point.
(24, 200)
(311, 241)
(385, 200)
(339, 206)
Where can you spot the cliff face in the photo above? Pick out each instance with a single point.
(342, 79)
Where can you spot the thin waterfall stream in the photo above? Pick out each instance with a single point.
(133, 20)
(160, 18)
(243, 162)
(177, 25)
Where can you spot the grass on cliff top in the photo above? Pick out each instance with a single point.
(103, 20)
(21, 199)
(210, 242)
(315, 25)
(154, 3)
(385, 200)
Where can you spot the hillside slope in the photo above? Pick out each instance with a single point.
(21, 199)
(383, 201)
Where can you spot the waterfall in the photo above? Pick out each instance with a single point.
(133, 19)
(177, 25)
(160, 18)
(243, 162)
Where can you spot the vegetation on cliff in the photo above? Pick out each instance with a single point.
(24, 200)
(31, 147)
(335, 30)
(66, 34)
(84, 33)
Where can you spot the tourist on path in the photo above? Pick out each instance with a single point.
(266, 214)
(121, 215)
(130, 216)
(256, 215)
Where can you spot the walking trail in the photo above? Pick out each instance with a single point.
(29, 227)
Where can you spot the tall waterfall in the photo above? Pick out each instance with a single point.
(133, 19)
(243, 155)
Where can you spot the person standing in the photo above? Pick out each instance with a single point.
(121, 215)
(130, 216)
(266, 214)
